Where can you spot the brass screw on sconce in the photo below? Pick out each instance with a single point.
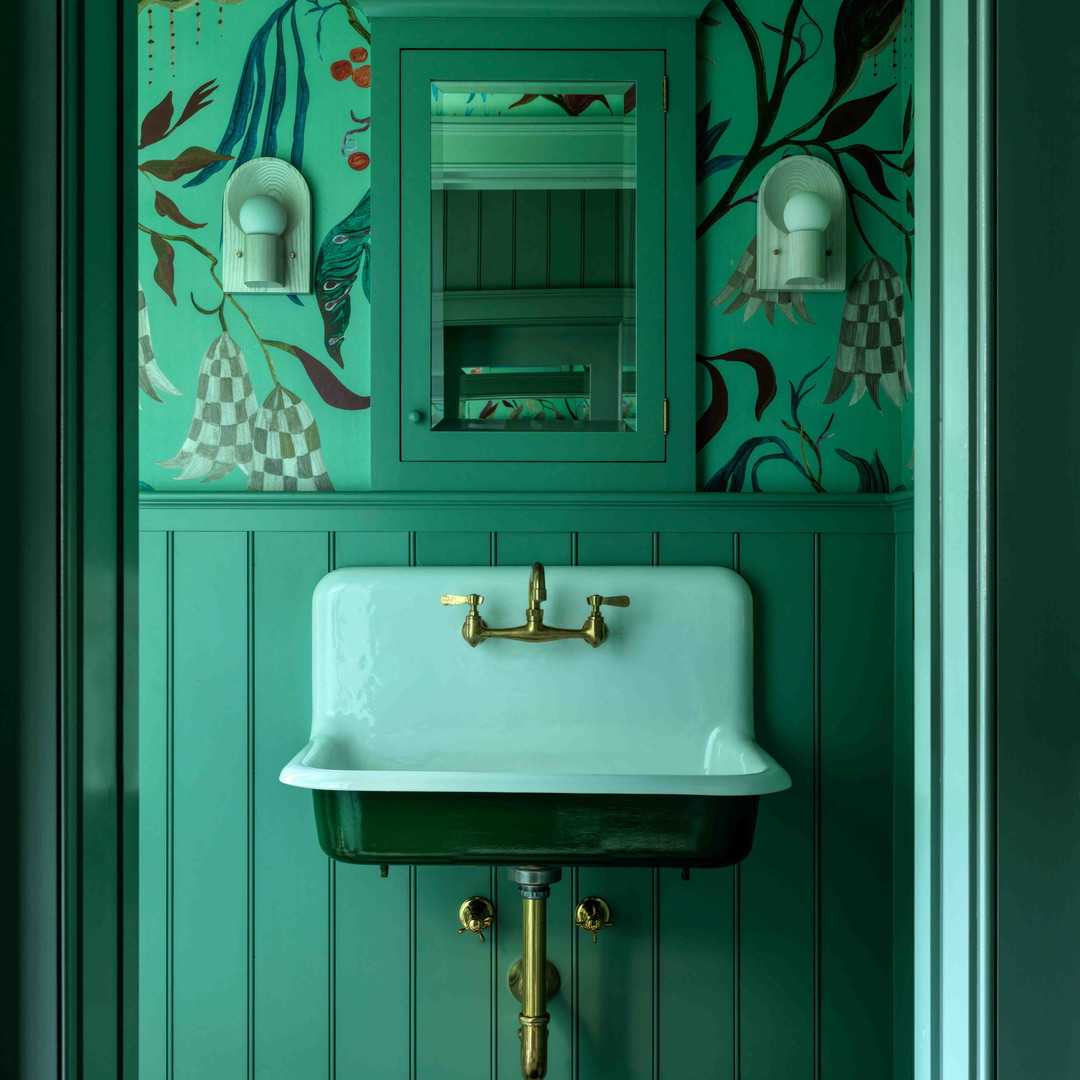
(476, 915)
(592, 915)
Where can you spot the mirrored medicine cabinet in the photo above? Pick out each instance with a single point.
(533, 270)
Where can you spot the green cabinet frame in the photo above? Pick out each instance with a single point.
(656, 55)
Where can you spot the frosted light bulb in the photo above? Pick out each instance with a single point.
(807, 210)
(263, 214)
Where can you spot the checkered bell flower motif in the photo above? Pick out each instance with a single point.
(743, 286)
(870, 355)
(220, 434)
(288, 449)
(151, 377)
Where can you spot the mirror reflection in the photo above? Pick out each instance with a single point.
(533, 253)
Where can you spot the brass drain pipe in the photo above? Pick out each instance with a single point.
(532, 979)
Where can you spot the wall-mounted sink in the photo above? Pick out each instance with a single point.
(642, 752)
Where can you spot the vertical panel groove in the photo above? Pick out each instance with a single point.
(331, 905)
(250, 780)
(493, 974)
(816, 799)
(656, 971)
(575, 1029)
(736, 917)
(412, 916)
(170, 788)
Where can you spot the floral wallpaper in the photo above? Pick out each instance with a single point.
(797, 392)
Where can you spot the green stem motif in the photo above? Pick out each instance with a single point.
(181, 239)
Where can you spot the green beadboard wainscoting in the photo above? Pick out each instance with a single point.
(260, 957)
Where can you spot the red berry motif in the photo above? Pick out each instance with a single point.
(359, 161)
(362, 75)
(358, 55)
(341, 69)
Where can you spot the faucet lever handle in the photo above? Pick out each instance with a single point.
(473, 600)
(612, 601)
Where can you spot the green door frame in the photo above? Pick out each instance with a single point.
(70, 95)
(69, 732)
(954, 556)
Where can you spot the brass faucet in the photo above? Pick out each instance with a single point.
(594, 630)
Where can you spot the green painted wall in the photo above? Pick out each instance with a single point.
(267, 77)
(259, 957)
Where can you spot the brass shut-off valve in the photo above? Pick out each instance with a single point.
(476, 915)
(592, 915)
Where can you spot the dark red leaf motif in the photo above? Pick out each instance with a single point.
(156, 122)
(326, 383)
(191, 160)
(847, 118)
(576, 104)
(167, 208)
(909, 164)
(712, 419)
(630, 100)
(488, 409)
(199, 99)
(872, 164)
(710, 422)
(524, 100)
(164, 271)
(766, 377)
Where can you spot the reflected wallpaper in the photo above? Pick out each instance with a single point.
(796, 393)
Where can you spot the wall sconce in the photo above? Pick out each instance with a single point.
(266, 229)
(802, 228)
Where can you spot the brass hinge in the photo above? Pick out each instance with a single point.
(665, 93)
(667, 416)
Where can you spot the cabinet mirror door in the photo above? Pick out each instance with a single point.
(536, 201)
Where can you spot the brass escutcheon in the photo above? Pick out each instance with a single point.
(551, 979)
(476, 915)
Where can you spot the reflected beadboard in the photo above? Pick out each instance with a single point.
(260, 958)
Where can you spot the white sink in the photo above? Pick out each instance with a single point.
(424, 749)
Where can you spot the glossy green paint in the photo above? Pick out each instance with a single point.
(709, 954)
(1036, 579)
(510, 828)
(954, 661)
(408, 456)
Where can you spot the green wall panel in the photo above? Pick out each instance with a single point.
(453, 988)
(615, 549)
(616, 979)
(778, 883)
(155, 817)
(525, 548)
(856, 659)
(371, 549)
(453, 549)
(697, 983)
(211, 838)
(291, 931)
(258, 953)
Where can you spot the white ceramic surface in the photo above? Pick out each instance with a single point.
(664, 706)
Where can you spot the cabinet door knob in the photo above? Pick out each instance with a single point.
(416, 416)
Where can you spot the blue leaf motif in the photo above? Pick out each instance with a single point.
(345, 255)
(707, 138)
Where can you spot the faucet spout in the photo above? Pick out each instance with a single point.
(537, 588)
